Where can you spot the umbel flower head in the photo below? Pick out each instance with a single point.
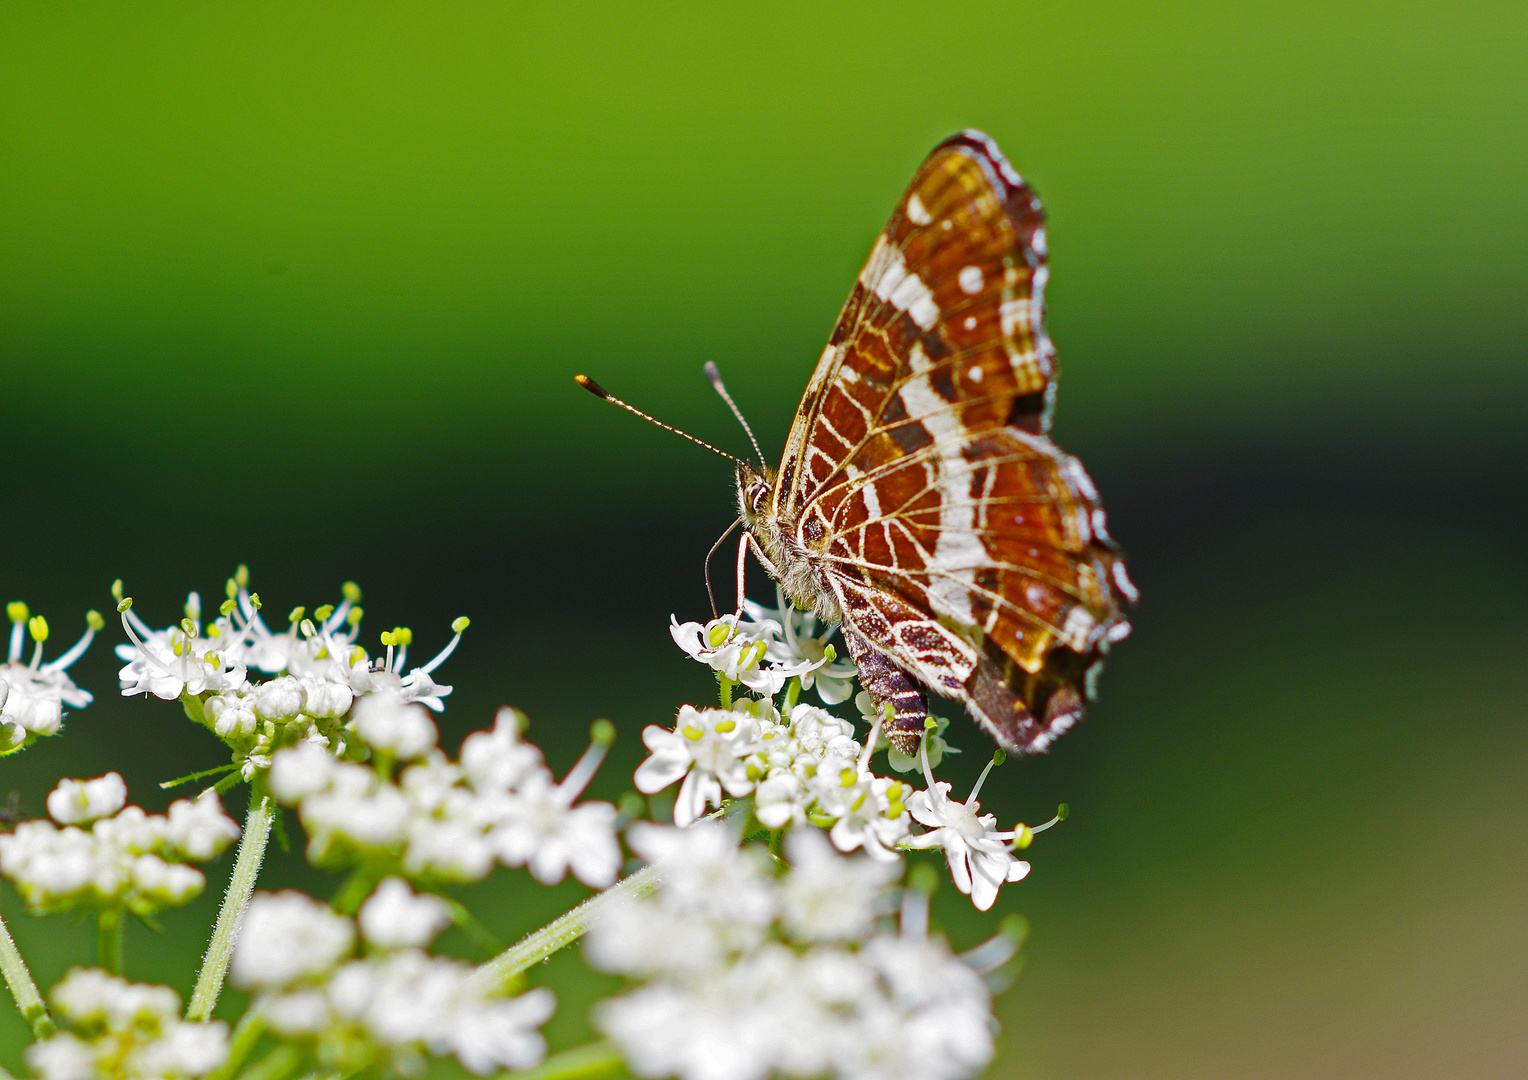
(34, 694)
(296, 955)
(321, 680)
(114, 1028)
(99, 854)
(744, 972)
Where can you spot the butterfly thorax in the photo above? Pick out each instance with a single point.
(789, 563)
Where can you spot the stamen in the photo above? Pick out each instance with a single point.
(601, 735)
(459, 625)
(124, 609)
(875, 732)
(93, 622)
(998, 757)
(17, 611)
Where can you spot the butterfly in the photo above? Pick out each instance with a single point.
(920, 502)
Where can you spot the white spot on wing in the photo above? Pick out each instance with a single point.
(916, 212)
(975, 374)
(971, 279)
(886, 275)
(970, 322)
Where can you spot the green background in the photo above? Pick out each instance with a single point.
(304, 286)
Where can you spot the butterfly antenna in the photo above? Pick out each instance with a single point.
(714, 377)
(600, 392)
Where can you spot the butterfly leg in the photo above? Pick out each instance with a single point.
(888, 684)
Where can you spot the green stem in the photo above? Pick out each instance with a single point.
(23, 990)
(257, 830)
(109, 940)
(245, 1036)
(281, 1062)
(588, 1062)
(561, 931)
(726, 686)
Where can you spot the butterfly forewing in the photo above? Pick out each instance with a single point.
(959, 542)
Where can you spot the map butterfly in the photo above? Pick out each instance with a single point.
(920, 502)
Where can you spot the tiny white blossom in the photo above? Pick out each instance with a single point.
(794, 643)
(826, 897)
(736, 653)
(199, 829)
(287, 937)
(499, 759)
(74, 802)
(395, 917)
(709, 749)
(124, 1029)
(980, 856)
(301, 770)
(387, 723)
(538, 827)
(33, 694)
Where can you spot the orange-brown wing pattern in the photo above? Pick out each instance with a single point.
(960, 542)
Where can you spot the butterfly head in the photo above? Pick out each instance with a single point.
(753, 489)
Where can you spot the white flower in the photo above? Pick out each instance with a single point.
(709, 748)
(981, 858)
(538, 827)
(386, 723)
(63, 1057)
(301, 770)
(500, 759)
(409, 999)
(129, 1029)
(826, 897)
(794, 643)
(716, 900)
(33, 694)
(736, 654)
(356, 809)
(200, 830)
(177, 660)
(183, 1049)
(74, 802)
(395, 917)
(287, 937)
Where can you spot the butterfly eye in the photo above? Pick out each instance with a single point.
(756, 496)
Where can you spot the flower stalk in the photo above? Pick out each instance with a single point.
(563, 930)
(23, 990)
(241, 885)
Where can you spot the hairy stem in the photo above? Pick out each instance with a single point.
(23, 990)
(561, 931)
(257, 830)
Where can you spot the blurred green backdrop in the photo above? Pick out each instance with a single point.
(304, 286)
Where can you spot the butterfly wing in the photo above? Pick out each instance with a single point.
(961, 543)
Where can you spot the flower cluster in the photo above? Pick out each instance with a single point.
(321, 671)
(128, 859)
(389, 1008)
(442, 820)
(767, 650)
(33, 694)
(745, 973)
(806, 767)
(120, 1029)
